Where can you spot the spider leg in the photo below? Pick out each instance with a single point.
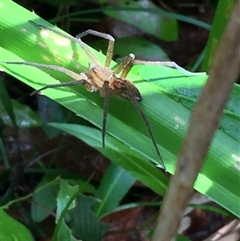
(78, 78)
(76, 40)
(105, 92)
(46, 66)
(71, 83)
(110, 39)
(145, 120)
(125, 66)
(170, 64)
(115, 92)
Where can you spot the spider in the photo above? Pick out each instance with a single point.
(103, 79)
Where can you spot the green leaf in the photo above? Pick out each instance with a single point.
(85, 224)
(149, 22)
(219, 178)
(50, 111)
(186, 91)
(12, 230)
(142, 49)
(66, 192)
(221, 17)
(24, 115)
(79, 220)
(7, 106)
(113, 187)
(44, 201)
(121, 155)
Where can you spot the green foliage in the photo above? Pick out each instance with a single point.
(85, 223)
(169, 97)
(12, 230)
(44, 198)
(114, 186)
(223, 12)
(141, 48)
(151, 22)
(24, 115)
(124, 124)
(120, 154)
(76, 219)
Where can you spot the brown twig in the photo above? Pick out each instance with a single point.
(204, 121)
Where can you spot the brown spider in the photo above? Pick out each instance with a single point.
(103, 79)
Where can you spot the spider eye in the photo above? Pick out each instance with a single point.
(119, 85)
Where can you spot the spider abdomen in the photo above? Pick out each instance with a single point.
(128, 90)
